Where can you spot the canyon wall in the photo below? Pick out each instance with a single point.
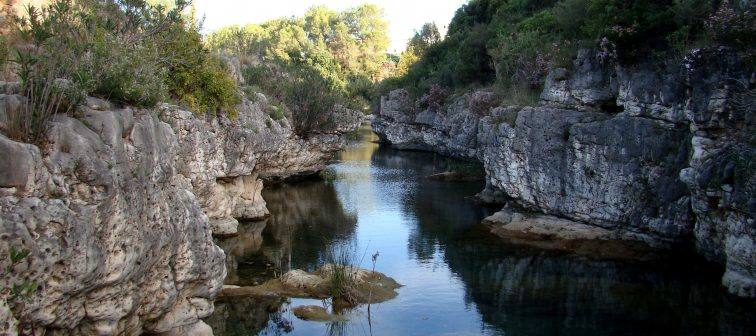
(658, 152)
(107, 226)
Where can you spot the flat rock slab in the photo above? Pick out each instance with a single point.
(366, 286)
(553, 233)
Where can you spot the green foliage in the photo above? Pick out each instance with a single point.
(311, 99)
(515, 42)
(276, 112)
(46, 96)
(733, 23)
(17, 255)
(341, 278)
(312, 63)
(196, 78)
(416, 47)
(4, 51)
(23, 290)
(133, 52)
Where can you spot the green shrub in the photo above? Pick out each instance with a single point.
(310, 64)
(342, 276)
(3, 54)
(515, 42)
(46, 96)
(130, 52)
(276, 113)
(124, 74)
(311, 100)
(733, 23)
(197, 78)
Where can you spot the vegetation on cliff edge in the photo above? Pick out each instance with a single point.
(511, 44)
(126, 51)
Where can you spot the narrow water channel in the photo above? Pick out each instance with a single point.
(458, 279)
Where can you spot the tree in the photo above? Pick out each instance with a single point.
(427, 36)
(416, 47)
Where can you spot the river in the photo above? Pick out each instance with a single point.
(457, 278)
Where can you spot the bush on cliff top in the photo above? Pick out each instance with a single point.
(510, 43)
(127, 51)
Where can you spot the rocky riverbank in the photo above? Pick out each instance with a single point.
(655, 153)
(107, 226)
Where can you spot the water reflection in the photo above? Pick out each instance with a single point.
(532, 292)
(459, 280)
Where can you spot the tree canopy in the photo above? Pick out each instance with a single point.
(514, 42)
(342, 54)
(343, 46)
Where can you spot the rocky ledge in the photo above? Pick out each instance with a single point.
(361, 285)
(107, 227)
(656, 153)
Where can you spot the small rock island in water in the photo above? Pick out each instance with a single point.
(566, 167)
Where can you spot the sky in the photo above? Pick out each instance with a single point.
(404, 16)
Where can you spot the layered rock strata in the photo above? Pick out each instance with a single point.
(107, 225)
(657, 152)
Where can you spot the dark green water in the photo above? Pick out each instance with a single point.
(458, 279)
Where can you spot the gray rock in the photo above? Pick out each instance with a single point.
(116, 213)
(658, 152)
(20, 166)
(591, 84)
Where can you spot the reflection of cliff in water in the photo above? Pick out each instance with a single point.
(442, 209)
(525, 291)
(310, 213)
(533, 292)
(245, 316)
(304, 221)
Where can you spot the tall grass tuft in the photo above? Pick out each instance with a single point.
(45, 97)
(342, 278)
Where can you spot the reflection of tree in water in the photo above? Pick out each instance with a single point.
(529, 292)
(521, 291)
(306, 219)
(309, 216)
(442, 209)
(442, 215)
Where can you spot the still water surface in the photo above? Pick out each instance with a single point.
(458, 279)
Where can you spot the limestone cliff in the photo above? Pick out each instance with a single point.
(659, 153)
(107, 227)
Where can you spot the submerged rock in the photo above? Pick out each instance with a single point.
(197, 329)
(549, 232)
(316, 313)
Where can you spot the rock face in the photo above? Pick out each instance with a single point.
(657, 152)
(107, 227)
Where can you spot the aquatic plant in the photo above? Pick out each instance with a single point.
(341, 276)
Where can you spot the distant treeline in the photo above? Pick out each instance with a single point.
(339, 56)
(511, 44)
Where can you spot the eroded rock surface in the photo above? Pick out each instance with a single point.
(659, 152)
(107, 226)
